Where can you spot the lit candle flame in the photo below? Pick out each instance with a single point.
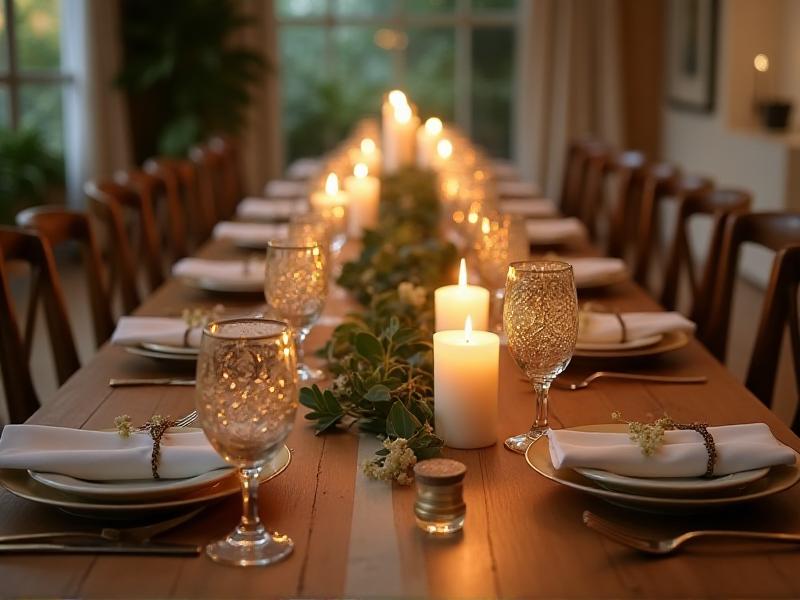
(367, 146)
(444, 148)
(761, 63)
(361, 170)
(402, 113)
(486, 226)
(433, 126)
(332, 184)
(462, 274)
(468, 329)
(397, 98)
(472, 217)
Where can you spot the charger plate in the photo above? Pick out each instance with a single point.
(778, 479)
(20, 483)
(617, 346)
(672, 340)
(165, 353)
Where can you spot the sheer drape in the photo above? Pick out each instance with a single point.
(569, 82)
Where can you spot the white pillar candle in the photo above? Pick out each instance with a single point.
(364, 199)
(454, 303)
(465, 376)
(399, 132)
(329, 197)
(370, 155)
(444, 152)
(427, 137)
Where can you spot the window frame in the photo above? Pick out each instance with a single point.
(463, 19)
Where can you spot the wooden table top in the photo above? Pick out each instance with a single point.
(354, 537)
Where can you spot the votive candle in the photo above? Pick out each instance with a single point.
(453, 303)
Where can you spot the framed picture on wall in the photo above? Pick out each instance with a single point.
(691, 53)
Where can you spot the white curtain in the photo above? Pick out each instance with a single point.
(568, 82)
(97, 138)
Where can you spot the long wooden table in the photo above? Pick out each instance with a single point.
(354, 537)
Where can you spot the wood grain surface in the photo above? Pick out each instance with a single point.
(523, 535)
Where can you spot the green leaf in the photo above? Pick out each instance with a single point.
(378, 393)
(400, 422)
(368, 346)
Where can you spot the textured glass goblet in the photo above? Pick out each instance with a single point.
(540, 318)
(246, 399)
(295, 287)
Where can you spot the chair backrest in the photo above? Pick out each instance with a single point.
(774, 231)
(15, 346)
(109, 201)
(212, 181)
(59, 225)
(779, 309)
(581, 190)
(180, 182)
(628, 168)
(694, 200)
(226, 148)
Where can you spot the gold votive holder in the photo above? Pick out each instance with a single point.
(440, 508)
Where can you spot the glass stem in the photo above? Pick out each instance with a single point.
(250, 524)
(300, 334)
(496, 312)
(540, 425)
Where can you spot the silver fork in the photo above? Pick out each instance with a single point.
(669, 545)
(184, 421)
(629, 376)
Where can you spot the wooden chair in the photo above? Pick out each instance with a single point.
(780, 309)
(179, 179)
(774, 231)
(226, 148)
(212, 185)
(109, 201)
(58, 226)
(719, 205)
(15, 349)
(628, 169)
(581, 189)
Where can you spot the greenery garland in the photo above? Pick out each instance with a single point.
(382, 358)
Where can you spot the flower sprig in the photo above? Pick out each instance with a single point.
(649, 436)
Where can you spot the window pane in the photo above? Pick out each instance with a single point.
(3, 39)
(430, 6)
(364, 68)
(5, 107)
(492, 87)
(38, 33)
(301, 8)
(364, 7)
(40, 109)
(431, 69)
(493, 5)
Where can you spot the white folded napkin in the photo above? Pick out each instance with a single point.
(504, 169)
(304, 168)
(529, 207)
(265, 209)
(170, 331)
(588, 270)
(282, 188)
(253, 234)
(555, 231)
(223, 271)
(683, 453)
(605, 328)
(516, 189)
(105, 456)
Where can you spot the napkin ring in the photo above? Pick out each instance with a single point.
(186, 335)
(596, 307)
(622, 327)
(708, 441)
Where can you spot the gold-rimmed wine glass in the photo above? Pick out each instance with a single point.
(295, 288)
(540, 319)
(246, 399)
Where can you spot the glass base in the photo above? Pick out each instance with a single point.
(250, 549)
(306, 373)
(519, 443)
(441, 527)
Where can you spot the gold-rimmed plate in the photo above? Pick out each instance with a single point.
(165, 353)
(778, 479)
(226, 286)
(669, 342)
(20, 483)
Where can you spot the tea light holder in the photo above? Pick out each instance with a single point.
(439, 507)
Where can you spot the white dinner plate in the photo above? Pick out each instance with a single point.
(209, 284)
(614, 346)
(778, 479)
(673, 340)
(20, 483)
(672, 486)
(162, 355)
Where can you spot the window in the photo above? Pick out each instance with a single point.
(455, 58)
(32, 81)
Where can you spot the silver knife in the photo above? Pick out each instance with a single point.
(147, 549)
(142, 382)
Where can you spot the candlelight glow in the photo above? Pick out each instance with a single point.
(397, 99)
(332, 184)
(472, 217)
(468, 329)
(361, 170)
(367, 146)
(486, 226)
(402, 113)
(761, 63)
(462, 273)
(433, 126)
(444, 148)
